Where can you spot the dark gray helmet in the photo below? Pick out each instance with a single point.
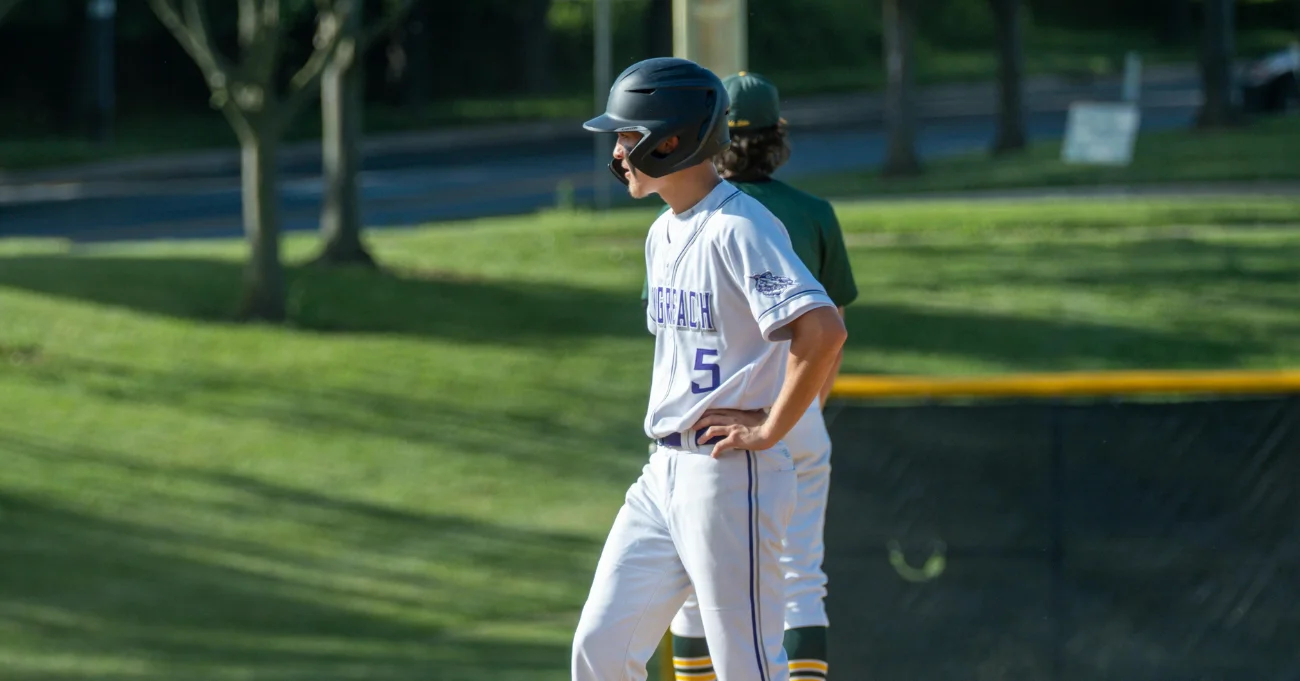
(660, 98)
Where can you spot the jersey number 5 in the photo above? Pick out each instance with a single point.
(703, 365)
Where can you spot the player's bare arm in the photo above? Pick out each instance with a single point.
(816, 340)
(834, 373)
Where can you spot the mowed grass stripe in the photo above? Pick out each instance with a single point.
(414, 476)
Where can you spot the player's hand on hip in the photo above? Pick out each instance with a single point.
(731, 417)
(739, 430)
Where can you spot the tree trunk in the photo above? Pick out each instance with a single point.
(98, 71)
(246, 94)
(1011, 117)
(1216, 65)
(900, 99)
(264, 294)
(341, 110)
(659, 28)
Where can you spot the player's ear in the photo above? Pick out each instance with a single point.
(667, 146)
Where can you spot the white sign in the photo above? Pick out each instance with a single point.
(1132, 77)
(1101, 133)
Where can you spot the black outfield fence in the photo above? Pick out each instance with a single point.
(1124, 526)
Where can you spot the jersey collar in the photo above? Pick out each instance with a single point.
(710, 201)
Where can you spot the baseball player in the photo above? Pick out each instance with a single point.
(745, 338)
(758, 147)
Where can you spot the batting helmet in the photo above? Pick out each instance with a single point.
(661, 98)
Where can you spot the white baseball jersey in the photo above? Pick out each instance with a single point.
(724, 281)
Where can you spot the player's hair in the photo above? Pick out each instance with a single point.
(754, 154)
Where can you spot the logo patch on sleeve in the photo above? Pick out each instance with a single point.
(770, 284)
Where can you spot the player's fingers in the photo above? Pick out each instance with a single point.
(705, 421)
(728, 443)
(738, 417)
(714, 420)
(716, 431)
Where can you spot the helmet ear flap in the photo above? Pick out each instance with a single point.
(651, 144)
(618, 172)
(710, 101)
(654, 151)
(648, 145)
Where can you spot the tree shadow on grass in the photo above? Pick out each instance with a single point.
(1032, 344)
(1220, 274)
(338, 300)
(250, 578)
(611, 451)
(1173, 264)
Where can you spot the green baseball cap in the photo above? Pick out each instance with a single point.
(755, 102)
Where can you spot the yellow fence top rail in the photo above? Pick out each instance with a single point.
(1072, 384)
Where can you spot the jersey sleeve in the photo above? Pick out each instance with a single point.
(777, 284)
(836, 272)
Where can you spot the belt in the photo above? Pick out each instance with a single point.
(675, 440)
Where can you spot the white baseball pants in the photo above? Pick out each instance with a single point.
(693, 523)
(803, 551)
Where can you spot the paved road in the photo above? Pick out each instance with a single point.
(408, 189)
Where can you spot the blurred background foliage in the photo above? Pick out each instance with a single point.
(485, 61)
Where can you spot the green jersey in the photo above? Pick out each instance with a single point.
(814, 232)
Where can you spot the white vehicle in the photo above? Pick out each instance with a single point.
(1272, 84)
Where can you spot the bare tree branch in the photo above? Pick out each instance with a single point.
(246, 22)
(306, 82)
(171, 18)
(259, 37)
(196, 17)
(192, 34)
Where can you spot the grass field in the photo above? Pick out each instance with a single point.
(1265, 150)
(412, 481)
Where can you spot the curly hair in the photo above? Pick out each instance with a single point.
(753, 154)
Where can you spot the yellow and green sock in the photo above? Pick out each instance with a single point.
(691, 661)
(805, 647)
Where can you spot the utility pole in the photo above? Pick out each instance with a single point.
(712, 33)
(100, 52)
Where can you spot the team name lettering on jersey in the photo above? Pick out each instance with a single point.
(684, 309)
(720, 303)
